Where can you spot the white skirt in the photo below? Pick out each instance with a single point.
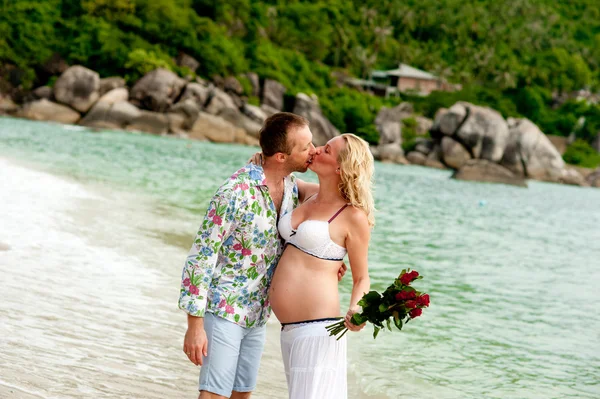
(315, 363)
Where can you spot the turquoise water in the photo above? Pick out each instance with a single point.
(513, 273)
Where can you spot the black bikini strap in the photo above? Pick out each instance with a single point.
(337, 213)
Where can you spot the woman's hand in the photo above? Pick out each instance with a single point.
(257, 159)
(348, 320)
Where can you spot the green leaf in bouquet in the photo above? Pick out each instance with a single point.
(389, 325)
(376, 331)
(383, 307)
(358, 319)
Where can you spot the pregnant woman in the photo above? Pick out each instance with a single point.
(335, 220)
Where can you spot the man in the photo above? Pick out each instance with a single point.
(228, 270)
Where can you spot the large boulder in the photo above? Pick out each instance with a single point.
(389, 123)
(189, 110)
(196, 92)
(232, 85)
(453, 153)
(423, 145)
(391, 152)
(593, 178)
(43, 92)
(78, 87)
(157, 91)
(7, 106)
(530, 153)
(219, 100)
(115, 96)
(272, 95)
(150, 122)
(255, 82)
(321, 128)
(44, 110)
(481, 130)
(253, 112)
(416, 158)
(238, 119)
(108, 84)
(572, 177)
(107, 115)
(485, 171)
(423, 125)
(217, 129)
(268, 110)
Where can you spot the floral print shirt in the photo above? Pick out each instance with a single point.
(229, 267)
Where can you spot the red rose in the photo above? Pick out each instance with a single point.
(404, 295)
(423, 300)
(415, 313)
(408, 277)
(410, 304)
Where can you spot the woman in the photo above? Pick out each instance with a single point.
(335, 219)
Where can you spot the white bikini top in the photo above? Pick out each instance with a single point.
(312, 237)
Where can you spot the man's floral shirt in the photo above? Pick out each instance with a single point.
(229, 268)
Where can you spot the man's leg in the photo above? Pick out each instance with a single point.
(217, 374)
(248, 363)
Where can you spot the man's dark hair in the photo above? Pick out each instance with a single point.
(274, 133)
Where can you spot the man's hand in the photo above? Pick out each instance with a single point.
(195, 343)
(257, 159)
(342, 271)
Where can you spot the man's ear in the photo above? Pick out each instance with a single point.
(280, 157)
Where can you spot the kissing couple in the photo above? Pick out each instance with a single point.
(272, 241)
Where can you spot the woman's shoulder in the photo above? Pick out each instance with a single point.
(356, 215)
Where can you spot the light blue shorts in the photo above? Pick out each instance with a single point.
(233, 359)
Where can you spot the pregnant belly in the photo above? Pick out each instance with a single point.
(304, 288)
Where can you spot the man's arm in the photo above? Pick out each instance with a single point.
(200, 266)
(306, 189)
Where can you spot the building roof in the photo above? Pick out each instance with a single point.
(405, 71)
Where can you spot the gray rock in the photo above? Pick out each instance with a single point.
(108, 84)
(150, 122)
(177, 123)
(43, 92)
(106, 115)
(7, 106)
(78, 87)
(44, 110)
(272, 95)
(484, 132)
(321, 128)
(253, 112)
(572, 177)
(482, 170)
(157, 91)
(424, 146)
(196, 92)
(240, 120)
(255, 82)
(593, 178)
(423, 125)
(232, 85)
(268, 110)
(218, 101)
(432, 163)
(217, 129)
(391, 152)
(189, 110)
(454, 154)
(186, 60)
(530, 153)
(416, 158)
(114, 96)
(389, 122)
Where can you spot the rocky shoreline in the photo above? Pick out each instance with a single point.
(476, 142)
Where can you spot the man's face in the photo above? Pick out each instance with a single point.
(300, 141)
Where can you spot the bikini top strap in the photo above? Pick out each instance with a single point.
(337, 213)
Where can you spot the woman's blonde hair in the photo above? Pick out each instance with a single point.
(356, 171)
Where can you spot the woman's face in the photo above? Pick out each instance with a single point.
(325, 160)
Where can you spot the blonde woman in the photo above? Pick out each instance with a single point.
(335, 219)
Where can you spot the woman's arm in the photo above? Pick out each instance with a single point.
(306, 190)
(357, 244)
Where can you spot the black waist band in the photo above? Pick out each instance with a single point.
(312, 321)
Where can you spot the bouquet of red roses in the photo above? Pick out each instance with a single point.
(399, 302)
